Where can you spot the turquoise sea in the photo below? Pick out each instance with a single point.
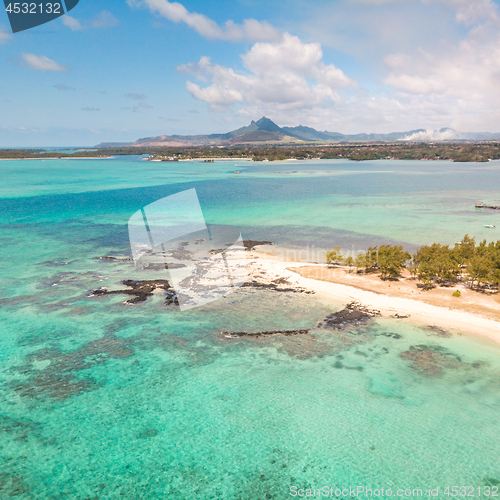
(100, 400)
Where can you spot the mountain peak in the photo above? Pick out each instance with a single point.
(267, 124)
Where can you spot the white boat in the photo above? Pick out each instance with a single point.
(489, 225)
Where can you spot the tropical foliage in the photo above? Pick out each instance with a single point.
(476, 265)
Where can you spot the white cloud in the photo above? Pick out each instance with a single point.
(42, 63)
(465, 77)
(214, 94)
(71, 23)
(103, 20)
(472, 11)
(249, 30)
(432, 135)
(467, 11)
(5, 36)
(288, 74)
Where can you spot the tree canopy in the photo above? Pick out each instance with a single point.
(478, 265)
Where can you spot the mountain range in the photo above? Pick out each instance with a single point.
(266, 131)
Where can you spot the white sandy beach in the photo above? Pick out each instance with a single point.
(388, 306)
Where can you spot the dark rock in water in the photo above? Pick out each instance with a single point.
(237, 335)
(251, 244)
(108, 258)
(391, 335)
(275, 285)
(56, 263)
(280, 281)
(339, 365)
(154, 266)
(160, 266)
(491, 481)
(171, 298)
(141, 290)
(216, 251)
(147, 433)
(354, 314)
(361, 353)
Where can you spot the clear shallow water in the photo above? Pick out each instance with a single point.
(102, 400)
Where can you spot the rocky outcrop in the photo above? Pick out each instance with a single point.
(278, 285)
(140, 290)
(354, 314)
(251, 244)
(237, 335)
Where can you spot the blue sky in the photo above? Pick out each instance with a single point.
(120, 70)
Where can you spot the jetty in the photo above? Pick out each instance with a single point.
(480, 204)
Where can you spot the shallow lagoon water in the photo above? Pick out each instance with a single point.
(102, 400)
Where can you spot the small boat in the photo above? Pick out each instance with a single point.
(489, 225)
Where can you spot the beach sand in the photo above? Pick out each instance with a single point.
(474, 313)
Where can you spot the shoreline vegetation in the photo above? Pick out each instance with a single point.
(448, 288)
(477, 266)
(481, 151)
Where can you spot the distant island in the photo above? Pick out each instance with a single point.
(265, 131)
(458, 152)
(264, 140)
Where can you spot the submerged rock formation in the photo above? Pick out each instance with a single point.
(431, 361)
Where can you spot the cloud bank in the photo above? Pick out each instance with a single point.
(288, 74)
(464, 78)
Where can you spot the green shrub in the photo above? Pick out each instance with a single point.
(457, 293)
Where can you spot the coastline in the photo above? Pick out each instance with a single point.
(61, 158)
(389, 305)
